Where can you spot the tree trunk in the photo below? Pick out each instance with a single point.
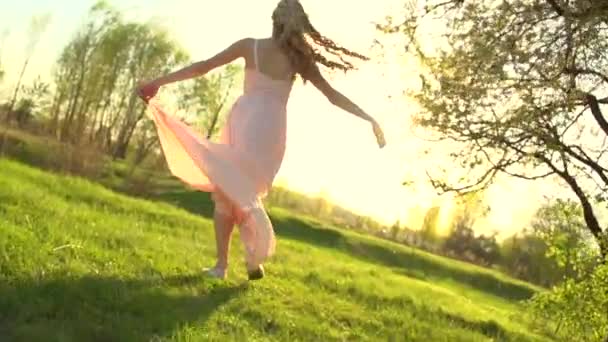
(77, 94)
(597, 113)
(55, 108)
(14, 99)
(143, 149)
(112, 80)
(126, 135)
(588, 213)
(216, 115)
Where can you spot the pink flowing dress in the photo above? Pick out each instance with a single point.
(241, 167)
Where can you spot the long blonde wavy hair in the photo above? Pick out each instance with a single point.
(295, 35)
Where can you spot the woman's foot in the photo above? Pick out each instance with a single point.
(216, 272)
(256, 273)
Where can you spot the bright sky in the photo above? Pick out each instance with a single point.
(328, 151)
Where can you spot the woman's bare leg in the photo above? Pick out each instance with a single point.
(247, 232)
(258, 238)
(224, 225)
(223, 221)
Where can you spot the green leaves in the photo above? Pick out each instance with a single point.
(96, 76)
(500, 78)
(207, 98)
(578, 308)
(34, 101)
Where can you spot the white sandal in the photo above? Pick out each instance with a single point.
(216, 272)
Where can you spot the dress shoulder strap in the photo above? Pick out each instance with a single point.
(255, 54)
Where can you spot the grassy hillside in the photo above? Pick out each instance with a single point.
(81, 263)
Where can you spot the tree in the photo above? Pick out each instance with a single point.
(207, 97)
(33, 101)
(98, 71)
(428, 231)
(154, 53)
(554, 248)
(462, 241)
(322, 207)
(469, 208)
(1, 73)
(577, 307)
(520, 86)
(96, 75)
(146, 141)
(579, 301)
(560, 225)
(37, 27)
(395, 230)
(2, 39)
(525, 256)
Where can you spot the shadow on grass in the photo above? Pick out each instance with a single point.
(489, 328)
(195, 202)
(107, 309)
(407, 262)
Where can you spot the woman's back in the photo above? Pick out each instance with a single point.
(270, 60)
(267, 73)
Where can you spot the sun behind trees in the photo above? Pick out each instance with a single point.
(520, 87)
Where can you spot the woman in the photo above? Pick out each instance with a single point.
(239, 170)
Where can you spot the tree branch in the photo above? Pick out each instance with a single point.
(586, 156)
(588, 212)
(581, 156)
(583, 71)
(454, 3)
(216, 114)
(597, 112)
(556, 7)
(481, 183)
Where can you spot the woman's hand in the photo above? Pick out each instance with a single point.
(147, 90)
(378, 133)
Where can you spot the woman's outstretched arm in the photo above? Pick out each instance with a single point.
(341, 101)
(334, 96)
(234, 51)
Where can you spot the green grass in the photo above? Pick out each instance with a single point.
(79, 262)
